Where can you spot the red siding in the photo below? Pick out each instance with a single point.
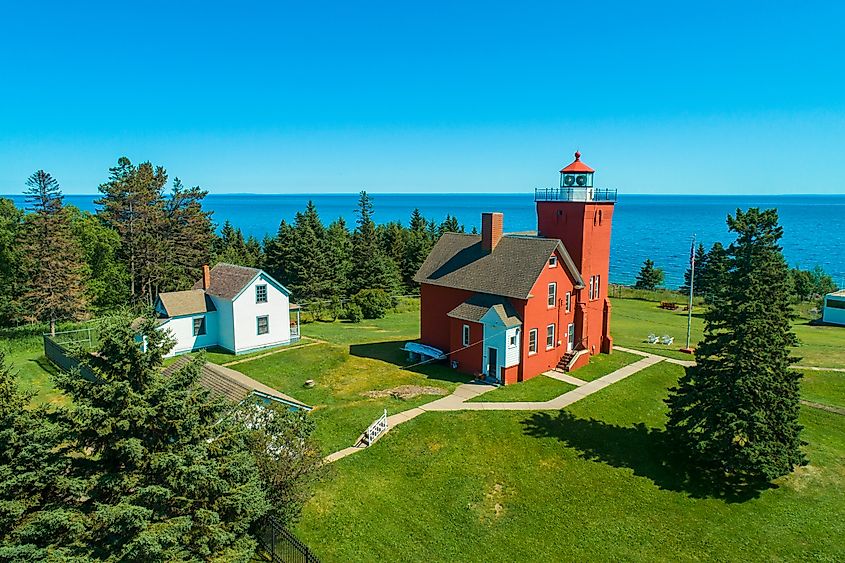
(435, 303)
(469, 359)
(536, 314)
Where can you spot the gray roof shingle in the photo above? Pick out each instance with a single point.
(477, 306)
(511, 270)
(188, 302)
(228, 280)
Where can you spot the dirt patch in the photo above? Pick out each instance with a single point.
(405, 392)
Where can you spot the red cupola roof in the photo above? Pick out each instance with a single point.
(577, 166)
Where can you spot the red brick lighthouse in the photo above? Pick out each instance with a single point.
(509, 307)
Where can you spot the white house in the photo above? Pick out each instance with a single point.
(834, 308)
(233, 307)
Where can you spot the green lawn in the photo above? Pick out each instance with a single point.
(827, 387)
(361, 357)
(633, 320)
(24, 350)
(586, 483)
(540, 388)
(603, 364)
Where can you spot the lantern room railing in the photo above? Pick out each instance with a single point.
(574, 194)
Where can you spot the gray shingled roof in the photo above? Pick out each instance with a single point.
(188, 302)
(477, 306)
(511, 270)
(227, 280)
(230, 384)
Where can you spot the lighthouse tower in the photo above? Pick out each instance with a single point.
(581, 215)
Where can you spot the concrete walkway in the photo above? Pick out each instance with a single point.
(457, 401)
(565, 377)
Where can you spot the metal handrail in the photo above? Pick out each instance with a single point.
(575, 194)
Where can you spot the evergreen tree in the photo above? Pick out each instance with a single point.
(735, 413)
(189, 234)
(649, 277)
(11, 262)
(307, 267)
(713, 278)
(700, 267)
(169, 475)
(34, 483)
(339, 257)
(133, 204)
(450, 225)
(278, 253)
(53, 260)
(811, 284)
(371, 268)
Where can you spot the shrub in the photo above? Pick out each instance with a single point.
(374, 303)
(353, 313)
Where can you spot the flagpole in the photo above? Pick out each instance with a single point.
(691, 285)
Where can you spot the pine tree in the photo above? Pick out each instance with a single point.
(169, 475)
(35, 486)
(307, 261)
(450, 225)
(339, 257)
(54, 269)
(649, 277)
(735, 413)
(133, 204)
(189, 234)
(11, 263)
(278, 253)
(371, 268)
(700, 267)
(713, 278)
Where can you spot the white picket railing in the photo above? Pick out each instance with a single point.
(375, 430)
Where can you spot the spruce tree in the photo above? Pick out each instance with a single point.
(11, 263)
(713, 277)
(700, 267)
(170, 476)
(649, 277)
(339, 258)
(54, 268)
(36, 489)
(189, 234)
(133, 204)
(371, 267)
(307, 266)
(735, 413)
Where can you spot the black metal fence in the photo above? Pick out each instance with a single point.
(281, 545)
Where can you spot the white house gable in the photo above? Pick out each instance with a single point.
(261, 314)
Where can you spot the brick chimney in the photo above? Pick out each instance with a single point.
(206, 276)
(491, 230)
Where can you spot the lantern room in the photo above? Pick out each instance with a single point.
(577, 174)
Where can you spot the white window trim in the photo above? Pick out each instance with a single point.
(465, 335)
(552, 295)
(536, 334)
(553, 262)
(553, 335)
(568, 301)
(512, 341)
(596, 289)
(194, 330)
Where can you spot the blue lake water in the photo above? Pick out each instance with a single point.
(644, 226)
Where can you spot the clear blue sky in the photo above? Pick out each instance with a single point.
(674, 97)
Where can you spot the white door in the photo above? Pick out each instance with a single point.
(570, 337)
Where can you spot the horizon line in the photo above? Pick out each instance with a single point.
(469, 193)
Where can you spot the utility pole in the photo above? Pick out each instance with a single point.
(689, 350)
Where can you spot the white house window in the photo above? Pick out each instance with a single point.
(568, 301)
(199, 326)
(261, 294)
(552, 261)
(550, 337)
(263, 324)
(512, 341)
(465, 339)
(592, 282)
(596, 291)
(552, 294)
(532, 341)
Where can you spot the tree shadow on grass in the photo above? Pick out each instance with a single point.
(391, 352)
(641, 449)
